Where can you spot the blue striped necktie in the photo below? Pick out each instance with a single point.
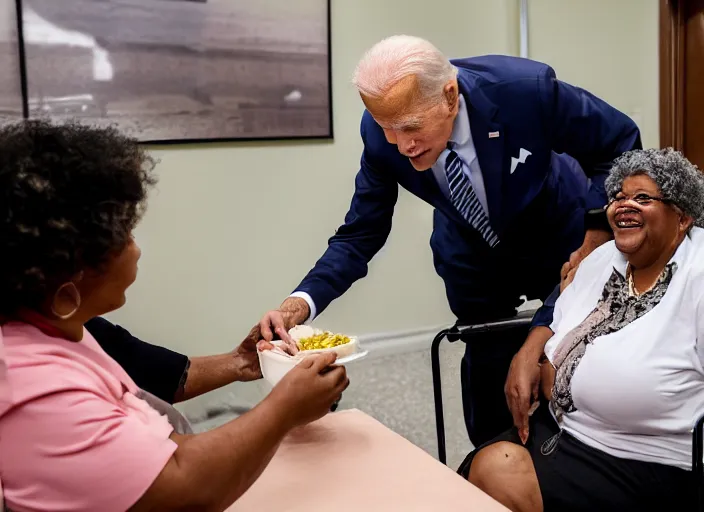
(465, 200)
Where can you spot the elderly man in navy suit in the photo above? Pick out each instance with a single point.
(513, 161)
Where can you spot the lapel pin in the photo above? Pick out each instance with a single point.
(493, 135)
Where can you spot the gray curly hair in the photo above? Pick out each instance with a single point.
(679, 180)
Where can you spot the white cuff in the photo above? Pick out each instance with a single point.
(311, 304)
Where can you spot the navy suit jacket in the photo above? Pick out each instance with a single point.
(537, 211)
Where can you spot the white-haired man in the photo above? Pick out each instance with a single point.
(514, 162)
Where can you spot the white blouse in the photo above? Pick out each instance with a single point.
(638, 391)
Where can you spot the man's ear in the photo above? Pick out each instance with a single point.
(451, 94)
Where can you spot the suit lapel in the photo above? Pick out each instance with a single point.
(490, 152)
(490, 148)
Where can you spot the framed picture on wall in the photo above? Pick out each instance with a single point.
(11, 101)
(167, 71)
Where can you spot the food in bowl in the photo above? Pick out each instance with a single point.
(312, 341)
(305, 340)
(323, 340)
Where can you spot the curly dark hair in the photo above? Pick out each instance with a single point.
(678, 179)
(70, 196)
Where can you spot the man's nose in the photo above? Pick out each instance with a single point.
(405, 144)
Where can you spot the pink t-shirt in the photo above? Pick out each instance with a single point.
(75, 436)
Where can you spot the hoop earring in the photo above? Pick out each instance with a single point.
(77, 297)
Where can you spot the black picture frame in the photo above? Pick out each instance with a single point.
(11, 99)
(21, 59)
(170, 141)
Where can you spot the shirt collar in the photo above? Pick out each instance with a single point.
(460, 128)
(621, 263)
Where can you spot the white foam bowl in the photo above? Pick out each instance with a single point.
(274, 365)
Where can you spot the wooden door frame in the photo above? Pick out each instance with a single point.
(672, 72)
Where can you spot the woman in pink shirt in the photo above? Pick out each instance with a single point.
(76, 433)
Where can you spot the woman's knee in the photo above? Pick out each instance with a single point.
(499, 461)
(505, 471)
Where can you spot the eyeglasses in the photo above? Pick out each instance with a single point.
(642, 199)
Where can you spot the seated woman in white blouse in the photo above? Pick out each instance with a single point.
(625, 378)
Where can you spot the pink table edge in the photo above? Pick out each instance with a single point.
(380, 470)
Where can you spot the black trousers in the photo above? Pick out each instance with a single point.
(483, 373)
(578, 478)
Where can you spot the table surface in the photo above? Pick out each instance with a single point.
(348, 462)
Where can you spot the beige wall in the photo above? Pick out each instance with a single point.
(233, 228)
(609, 47)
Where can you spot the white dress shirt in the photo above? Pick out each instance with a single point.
(464, 146)
(638, 391)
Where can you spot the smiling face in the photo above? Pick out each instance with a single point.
(646, 226)
(420, 131)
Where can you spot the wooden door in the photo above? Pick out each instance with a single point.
(682, 77)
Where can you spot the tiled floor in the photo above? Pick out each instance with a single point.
(396, 390)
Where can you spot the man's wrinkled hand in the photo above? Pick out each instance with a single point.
(275, 323)
(294, 311)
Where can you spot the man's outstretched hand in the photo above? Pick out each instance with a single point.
(294, 311)
(274, 324)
